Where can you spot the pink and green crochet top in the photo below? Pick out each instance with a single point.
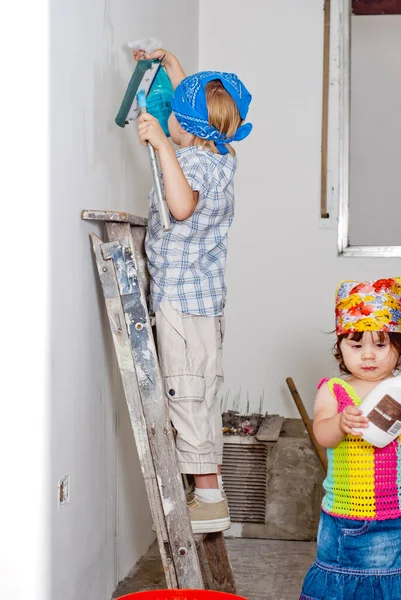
(363, 482)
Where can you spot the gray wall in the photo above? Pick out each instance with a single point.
(375, 173)
(106, 526)
(283, 267)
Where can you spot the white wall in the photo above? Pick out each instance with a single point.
(24, 305)
(375, 175)
(94, 164)
(282, 267)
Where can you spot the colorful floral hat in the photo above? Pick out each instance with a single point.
(368, 306)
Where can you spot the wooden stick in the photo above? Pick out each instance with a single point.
(308, 423)
(325, 110)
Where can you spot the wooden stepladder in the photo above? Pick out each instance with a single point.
(189, 562)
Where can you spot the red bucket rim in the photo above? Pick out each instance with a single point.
(151, 594)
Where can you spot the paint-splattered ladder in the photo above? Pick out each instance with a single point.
(121, 264)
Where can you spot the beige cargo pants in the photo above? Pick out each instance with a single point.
(190, 356)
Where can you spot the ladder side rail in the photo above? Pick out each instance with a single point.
(216, 566)
(180, 537)
(128, 376)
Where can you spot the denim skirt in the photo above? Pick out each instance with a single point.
(356, 560)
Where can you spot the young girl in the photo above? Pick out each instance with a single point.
(187, 267)
(359, 536)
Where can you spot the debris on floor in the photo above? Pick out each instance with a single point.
(264, 427)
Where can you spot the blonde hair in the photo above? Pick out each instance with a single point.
(223, 115)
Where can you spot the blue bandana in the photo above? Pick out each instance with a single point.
(189, 106)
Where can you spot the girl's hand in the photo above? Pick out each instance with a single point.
(150, 131)
(351, 418)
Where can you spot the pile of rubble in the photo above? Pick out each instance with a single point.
(264, 427)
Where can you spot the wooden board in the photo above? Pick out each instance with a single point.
(215, 562)
(270, 428)
(113, 216)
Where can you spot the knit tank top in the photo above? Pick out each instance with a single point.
(363, 482)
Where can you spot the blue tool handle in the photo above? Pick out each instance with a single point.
(162, 204)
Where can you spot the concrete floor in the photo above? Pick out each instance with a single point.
(263, 569)
(270, 569)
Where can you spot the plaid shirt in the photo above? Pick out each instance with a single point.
(187, 264)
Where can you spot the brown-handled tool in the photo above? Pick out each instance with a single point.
(308, 424)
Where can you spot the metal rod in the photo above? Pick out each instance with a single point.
(162, 204)
(164, 213)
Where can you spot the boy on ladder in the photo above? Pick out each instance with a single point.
(187, 266)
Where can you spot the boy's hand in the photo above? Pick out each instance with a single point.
(138, 54)
(150, 131)
(351, 418)
(170, 62)
(169, 59)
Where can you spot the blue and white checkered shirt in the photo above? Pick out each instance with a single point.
(187, 264)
